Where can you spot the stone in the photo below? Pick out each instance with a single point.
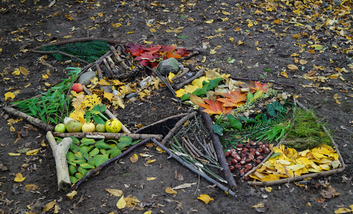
(107, 88)
(168, 65)
(85, 78)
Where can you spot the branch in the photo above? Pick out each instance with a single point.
(219, 149)
(35, 121)
(94, 171)
(84, 39)
(160, 121)
(59, 153)
(177, 126)
(197, 75)
(106, 135)
(59, 52)
(193, 169)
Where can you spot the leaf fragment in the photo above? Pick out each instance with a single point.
(134, 158)
(49, 206)
(115, 192)
(169, 190)
(19, 177)
(72, 194)
(293, 67)
(205, 198)
(121, 204)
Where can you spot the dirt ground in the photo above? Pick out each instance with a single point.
(260, 35)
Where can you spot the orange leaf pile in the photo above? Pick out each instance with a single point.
(257, 86)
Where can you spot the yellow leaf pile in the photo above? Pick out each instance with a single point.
(288, 163)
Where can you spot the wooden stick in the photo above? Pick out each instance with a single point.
(267, 81)
(35, 121)
(108, 67)
(60, 52)
(160, 121)
(185, 71)
(112, 65)
(109, 113)
(177, 126)
(106, 135)
(131, 73)
(99, 71)
(59, 153)
(219, 149)
(193, 169)
(84, 39)
(120, 61)
(197, 75)
(94, 171)
(189, 56)
(287, 180)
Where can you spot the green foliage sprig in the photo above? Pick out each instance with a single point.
(49, 106)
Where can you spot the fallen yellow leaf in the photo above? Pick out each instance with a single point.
(170, 190)
(151, 161)
(32, 152)
(72, 194)
(259, 205)
(19, 177)
(159, 149)
(134, 158)
(151, 178)
(121, 203)
(115, 192)
(9, 95)
(31, 187)
(293, 67)
(209, 21)
(268, 189)
(44, 76)
(16, 72)
(14, 154)
(283, 73)
(49, 206)
(205, 198)
(343, 210)
(56, 209)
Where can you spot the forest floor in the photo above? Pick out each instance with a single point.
(263, 38)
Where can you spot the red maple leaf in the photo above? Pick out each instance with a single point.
(258, 87)
(167, 48)
(135, 50)
(233, 99)
(182, 52)
(215, 107)
(175, 55)
(153, 49)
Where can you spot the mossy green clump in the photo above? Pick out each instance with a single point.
(307, 132)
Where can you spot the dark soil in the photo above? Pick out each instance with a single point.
(28, 24)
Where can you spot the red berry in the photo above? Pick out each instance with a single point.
(77, 87)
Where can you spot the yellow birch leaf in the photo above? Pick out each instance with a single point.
(108, 95)
(240, 42)
(152, 30)
(151, 178)
(32, 152)
(103, 82)
(343, 210)
(14, 154)
(16, 72)
(26, 86)
(148, 212)
(283, 73)
(171, 76)
(49, 206)
(259, 205)
(213, 51)
(67, 36)
(203, 59)
(180, 93)
(116, 25)
(293, 67)
(191, 19)
(205, 198)
(44, 76)
(159, 149)
(209, 21)
(121, 203)
(294, 54)
(268, 189)
(115, 192)
(130, 32)
(72, 194)
(308, 204)
(19, 177)
(9, 95)
(303, 62)
(134, 158)
(56, 209)
(231, 39)
(169, 190)
(151, 161)
(31, 187)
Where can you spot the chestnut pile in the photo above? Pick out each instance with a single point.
(245, 157)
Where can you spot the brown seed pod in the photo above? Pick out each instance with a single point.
(257, 153)
(234, 154)
(229, 163)
(239, 149)
(241, 173)
(248, 166)
(237, 158)
(251, 157)
(258, 161)
(266, 150)
(245, 150)
(242, 162)
(260, 157)
(260, 143)
(248, 160)
(259, 150)
(267, 145)
(253, 143)
(247, 178)
(234, 161)
(252, 149)
(227, 153)
(240, 145)
(238, 166)
(231, 168)
(247, 146)
(246, 171)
